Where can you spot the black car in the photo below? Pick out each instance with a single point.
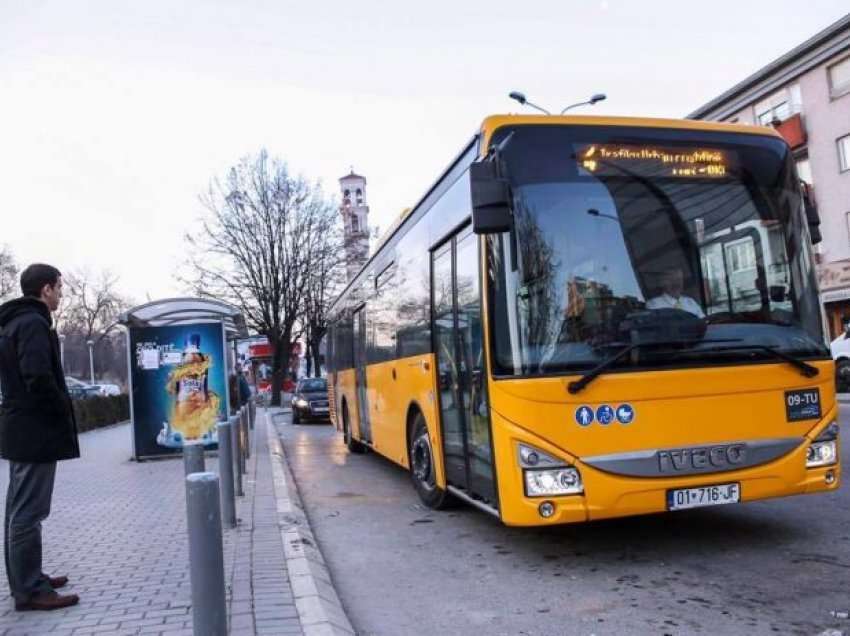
(310, 400)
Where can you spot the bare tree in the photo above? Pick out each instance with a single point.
(93, 302)
(325, 278)
(8, 274)
(89, 309)
(252, 248)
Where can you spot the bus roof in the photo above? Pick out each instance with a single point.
(494, 122)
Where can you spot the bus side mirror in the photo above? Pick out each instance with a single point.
(812, 215)
(491, 197)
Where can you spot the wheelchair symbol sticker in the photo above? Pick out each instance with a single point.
(605, 414)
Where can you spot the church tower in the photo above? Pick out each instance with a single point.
(355, 219)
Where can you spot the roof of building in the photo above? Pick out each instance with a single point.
(352, 175)
(790, 65)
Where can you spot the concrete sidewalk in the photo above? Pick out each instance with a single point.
(118, 530)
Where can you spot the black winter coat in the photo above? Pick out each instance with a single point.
(36, 416)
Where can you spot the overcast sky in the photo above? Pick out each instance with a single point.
(115, 115)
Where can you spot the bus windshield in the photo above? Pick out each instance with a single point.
(626, 236)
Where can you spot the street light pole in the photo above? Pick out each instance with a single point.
(62, 351)
(90, 343)
(598, 97)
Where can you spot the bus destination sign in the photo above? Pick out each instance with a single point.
(615, 160)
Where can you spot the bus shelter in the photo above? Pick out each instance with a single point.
(178, 366)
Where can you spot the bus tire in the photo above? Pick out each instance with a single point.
(422, 473)
(351, 444)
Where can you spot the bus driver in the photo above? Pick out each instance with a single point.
(672, 283)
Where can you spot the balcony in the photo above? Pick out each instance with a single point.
(792, 130)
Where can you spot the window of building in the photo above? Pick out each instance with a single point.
(844, 153)
(780, 105)
(355, 226)
(839, 78)
(741, 255)
(804, 170)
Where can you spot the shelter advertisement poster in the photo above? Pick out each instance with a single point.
(179, 383)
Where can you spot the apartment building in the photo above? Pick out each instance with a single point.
(805, 95)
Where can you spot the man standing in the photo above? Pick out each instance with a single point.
(37, 428)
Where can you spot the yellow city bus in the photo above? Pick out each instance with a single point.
(594, 317)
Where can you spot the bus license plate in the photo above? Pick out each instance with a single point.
(683, 498)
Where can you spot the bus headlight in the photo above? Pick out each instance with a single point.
(824, 450)
(552, 481)
(821, 454)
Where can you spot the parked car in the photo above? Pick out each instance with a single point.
(310, 400)
(79, 390)
(840, 348)
(108, 389)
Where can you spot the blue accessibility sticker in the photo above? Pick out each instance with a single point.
(584, 415)
(625, 414)
(605, 414)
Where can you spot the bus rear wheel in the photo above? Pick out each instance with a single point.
(351, 444)
(422, 471)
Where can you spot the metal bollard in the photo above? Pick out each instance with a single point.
(193, 457)
(225, 469)
(243, 427)
(252, 411)
(240, 428)
(206, 555)
(235, 458)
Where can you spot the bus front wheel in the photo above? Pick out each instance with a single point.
(351, 444)
(422, 472)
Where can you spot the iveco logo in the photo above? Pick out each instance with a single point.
(691, 459)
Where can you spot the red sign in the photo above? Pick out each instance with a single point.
(261, 350)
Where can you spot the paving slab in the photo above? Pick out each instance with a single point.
(118, 530)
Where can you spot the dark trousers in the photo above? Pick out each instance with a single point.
(27, 505)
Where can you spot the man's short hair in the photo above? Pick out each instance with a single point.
(36, 276)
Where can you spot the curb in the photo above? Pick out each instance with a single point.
(319, 608)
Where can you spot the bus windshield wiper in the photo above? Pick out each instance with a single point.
(577, 385)
(806, 369)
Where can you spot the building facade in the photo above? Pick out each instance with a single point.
(355, 219)
(805, 95)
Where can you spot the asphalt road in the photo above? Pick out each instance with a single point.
(771, 567)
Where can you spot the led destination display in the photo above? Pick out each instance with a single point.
(613, 160)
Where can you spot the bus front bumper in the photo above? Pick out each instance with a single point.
(609, 495)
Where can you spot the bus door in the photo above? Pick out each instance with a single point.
(458, 341)
(360, 374)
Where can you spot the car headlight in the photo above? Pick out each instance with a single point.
(821, 454)
(301, 403)
(549, 482)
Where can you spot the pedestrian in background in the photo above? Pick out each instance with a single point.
(37, 429)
